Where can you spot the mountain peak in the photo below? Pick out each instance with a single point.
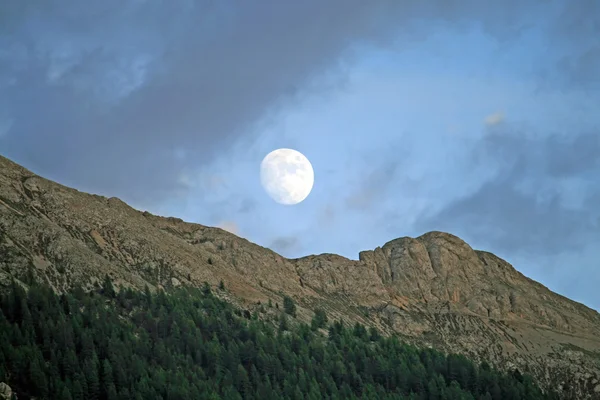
(433, 290)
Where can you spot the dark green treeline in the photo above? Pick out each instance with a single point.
(187, 344)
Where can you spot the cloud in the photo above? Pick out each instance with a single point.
(247, 205)
(372, 187)
(326, 217)
(578, 29)
(104, 95)
(494, 119)
(542, 198)
(285, 244)
(583, 69)
(376, 168)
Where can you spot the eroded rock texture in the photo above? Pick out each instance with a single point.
(434, 290)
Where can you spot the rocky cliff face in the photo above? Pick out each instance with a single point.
(434, 290)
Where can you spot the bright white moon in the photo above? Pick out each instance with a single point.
(287, 176)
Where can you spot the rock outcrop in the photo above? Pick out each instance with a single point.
(434, 290)
(5, 392)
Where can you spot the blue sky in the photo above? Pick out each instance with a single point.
(476, 120)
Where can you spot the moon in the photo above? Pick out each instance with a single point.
(287, 176)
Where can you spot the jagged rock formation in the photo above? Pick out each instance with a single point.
(434, 290)
(5, 392)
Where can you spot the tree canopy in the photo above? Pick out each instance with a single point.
(187, 344)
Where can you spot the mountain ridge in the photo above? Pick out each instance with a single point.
(433, 290)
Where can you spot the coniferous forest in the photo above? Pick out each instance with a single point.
(188, 344)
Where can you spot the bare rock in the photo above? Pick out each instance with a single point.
(433, 290)
(5, 392)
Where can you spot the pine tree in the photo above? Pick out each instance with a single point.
(92, 380)
(433, 391)
(496, 391)
(108, 289)
(111, 392)
(108, 383)
(77, 391)
(288, 306)
(229, 393)
(147, 295)
(242, 383)
(65, 394)
(319, 320)
(184, 344)
(37, 378)
(124, 394)
(283, 323)
(298, 394)
(206, 289)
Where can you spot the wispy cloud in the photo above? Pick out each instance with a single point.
(107, 92)
(538, 201)
(494, 119)
(285, 244)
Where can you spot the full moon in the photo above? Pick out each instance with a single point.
(287, 176)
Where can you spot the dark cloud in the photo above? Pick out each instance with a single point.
(573, 155)
(576, 30)
(372, 187)
(380, 170)
(326, 217)
(582, 70)
(247, 206)
(104, 95)
(528, 206)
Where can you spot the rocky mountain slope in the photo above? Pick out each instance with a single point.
(434, 290)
